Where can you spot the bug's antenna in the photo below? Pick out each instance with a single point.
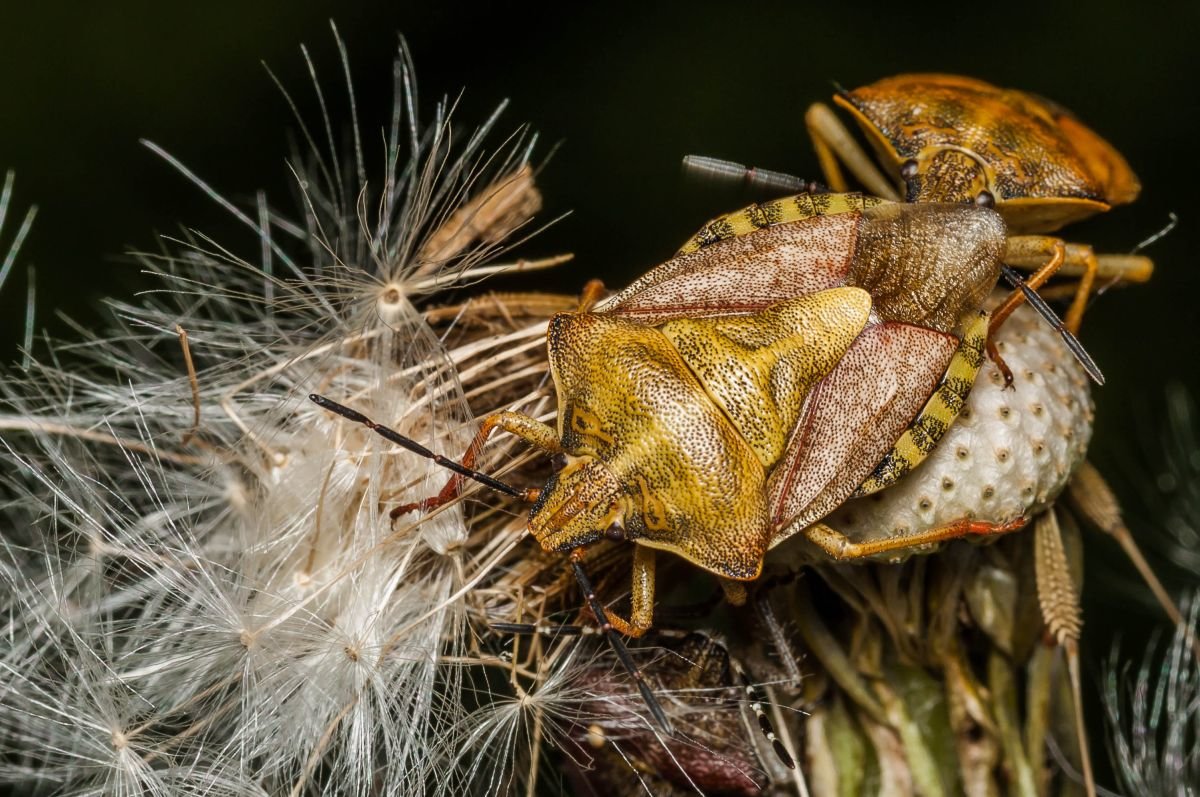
(756, 699)
(1013, 277)
(622, 652)
(1172, 222)
(530, 629)
(412, 445)
(729, 171)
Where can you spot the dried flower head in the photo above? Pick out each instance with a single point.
(206, 588)
(203, 588)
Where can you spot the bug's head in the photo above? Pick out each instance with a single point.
(581, 502)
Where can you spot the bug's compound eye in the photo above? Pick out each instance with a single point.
(558, 461)
(985, 199)
(615, 531)
(909, 169)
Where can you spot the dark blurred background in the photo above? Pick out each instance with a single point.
(627, 90)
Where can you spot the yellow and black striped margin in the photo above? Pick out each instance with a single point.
(926, 430)
(778, 211)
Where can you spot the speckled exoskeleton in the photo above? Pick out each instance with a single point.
(794, 354)
(946, 138)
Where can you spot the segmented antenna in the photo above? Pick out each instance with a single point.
(529, 629)
(412, 445)
(1013, 277)
(614, 639)
(622, 652)
(730, 171)
(755, 698)
(1168, 228)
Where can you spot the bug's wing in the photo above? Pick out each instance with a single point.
(745, 273)
(851, 420)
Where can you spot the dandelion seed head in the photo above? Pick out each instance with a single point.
(205, 591)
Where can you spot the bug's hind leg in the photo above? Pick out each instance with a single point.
(838, 546)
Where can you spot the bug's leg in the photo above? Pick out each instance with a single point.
(1030, 251)
(641, 612)
(833, 142)
(611, 630)
(735, 591)
(1124, 268)
(592, 293)
(1059, 602)
(531, 431)
(1111, 270)
(1049, 316)
(1081, 253)
(1051, 253)
(839, 546)
(1048, 252)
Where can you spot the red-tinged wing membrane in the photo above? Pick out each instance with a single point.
(744, 274)
(852, 419)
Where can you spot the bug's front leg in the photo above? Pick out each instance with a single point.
(1048, 252)
(1032, 251)
(834, 144)
(1029, 252)
(641, 612)
(528, 429)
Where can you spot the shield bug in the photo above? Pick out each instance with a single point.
(739, 392)
(944, 138)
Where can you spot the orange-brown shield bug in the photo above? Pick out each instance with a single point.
(945, 138)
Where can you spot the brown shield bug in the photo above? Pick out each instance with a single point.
(945, 138)
(735, 395)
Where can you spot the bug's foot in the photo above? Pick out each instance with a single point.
(1005, 371)
(423, 505)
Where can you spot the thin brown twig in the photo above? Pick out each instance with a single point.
(193, 381)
